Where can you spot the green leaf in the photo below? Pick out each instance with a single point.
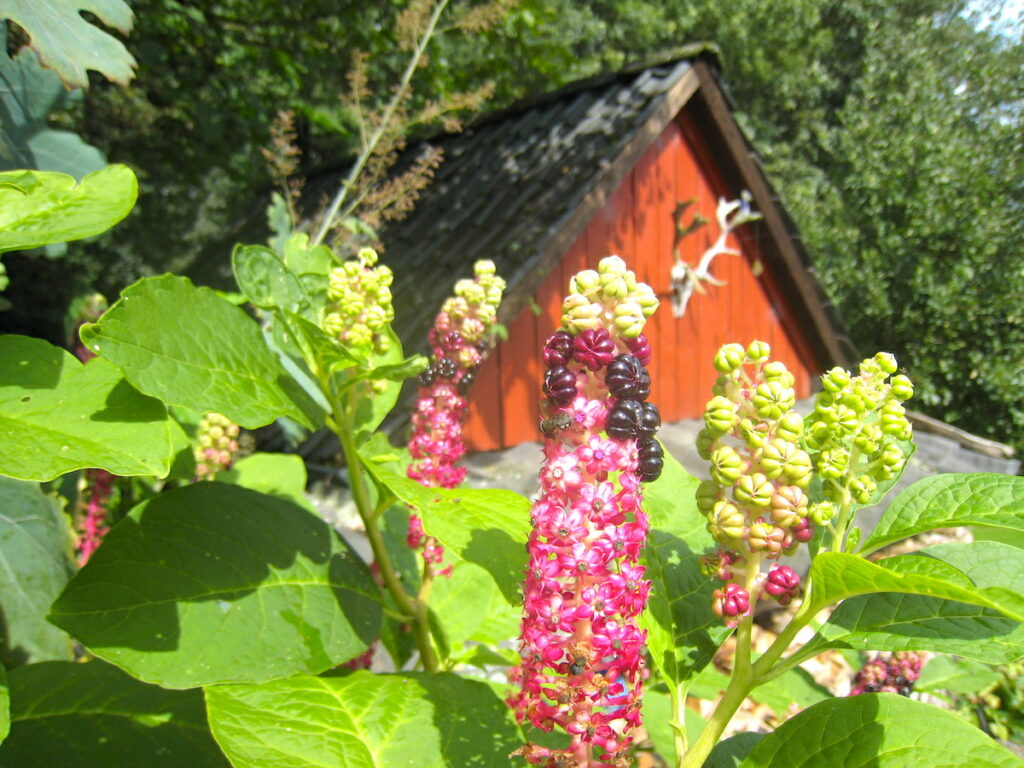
(69, 44)
(188, 347)
(303, 260)
(795, 686)
(61, 209)
(103, 718)
(837, 576)
(277, 474)
(264, 278)
(894, 621)
(683, 632)
(212, 583)
(883, 730)
(372, 407)
(35, 564)
(280, 220)
(5, 706)
(732, 751)
(953, 675)
(469, 608)
(57, 415)
(363, 720)
(485, 527)
(988, 500)
(29, 94)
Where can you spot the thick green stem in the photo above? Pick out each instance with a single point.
(414, 609)
(678, 722)
(382, 127)
(739, 687)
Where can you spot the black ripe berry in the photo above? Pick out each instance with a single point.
(624, 420)
(446, 368)
(627, 379)
(466, 381)
(650, 420)
(560, 385)
(426, 378)
(650, 459)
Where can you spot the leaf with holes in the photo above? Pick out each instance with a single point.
(940, 501)
(882, 730)
(69, 44)
(683, 632)
(212, 583)
(57, 208)
(104, 718)
(189, 347)
(362, 720)
(57, 415)
(35, 564)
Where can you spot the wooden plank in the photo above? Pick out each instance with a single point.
(520, 374)
(483, 428)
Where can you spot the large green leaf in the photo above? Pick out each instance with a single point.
(93, 715)
(881, 730)
(988, 500)
(29, 94)
(189, 347)
(264, 278)
(485, 527)
(895, 621)
(35, 564)
(213, 583)
(954, 675)
(277, 474)
(57, 208)
(69, 44)
(363, 720)
(58, 415)
(469, 608)
(683, 632)
(837, 576)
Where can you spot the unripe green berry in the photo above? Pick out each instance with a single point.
(754, 434)
(585, 283)
(706, 444)
(832, 463)
(798, 469)
(484, 267)
(902, 388)
(726, 465)
(758, 350)
(777, 371)
(765, 536)
(772, 399)
(334, 324)
(726, 523)
(789, 504)
(790, 427)
(869, 438)
(893, 457)
(861, 488)
(835, 379)
(612, 265)
(821, 512)
(708, 492)
(754, 489)
(729, 357)
(720, 415)
(886, 362)
(774, 456)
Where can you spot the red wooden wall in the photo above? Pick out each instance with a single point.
(636, 223)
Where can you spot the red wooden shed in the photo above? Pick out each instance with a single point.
(549, 187)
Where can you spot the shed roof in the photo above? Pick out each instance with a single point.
(518, 186)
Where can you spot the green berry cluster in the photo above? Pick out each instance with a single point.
(359, 302)
(856, 431)
(473, 309)
(218, 443)
(755, 501)
(610, 297)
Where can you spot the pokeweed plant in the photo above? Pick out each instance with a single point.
(218, 616)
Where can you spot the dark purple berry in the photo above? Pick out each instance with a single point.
(446, 368)
(594, 348)
(627, 379)
(558, 349)
(650, 420)
(426, 378)
(651, 460)
(624, 420)
(466, 381)
(560, 385)
(641, 349)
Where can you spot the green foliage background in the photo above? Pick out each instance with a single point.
(892, 130)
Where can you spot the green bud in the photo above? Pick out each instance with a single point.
(729, 357)
(385, 276)
(644, 296)
(821, 512)
(902, 388)
(861, 488)
(358, 335)
(758, 350)
(585, 283)
(334, 324)
(720, 415)
(886, 362)
(613, 287)
(484, 267)
(368, 256)
(726, 465)
(754, 489)
(612, 265)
